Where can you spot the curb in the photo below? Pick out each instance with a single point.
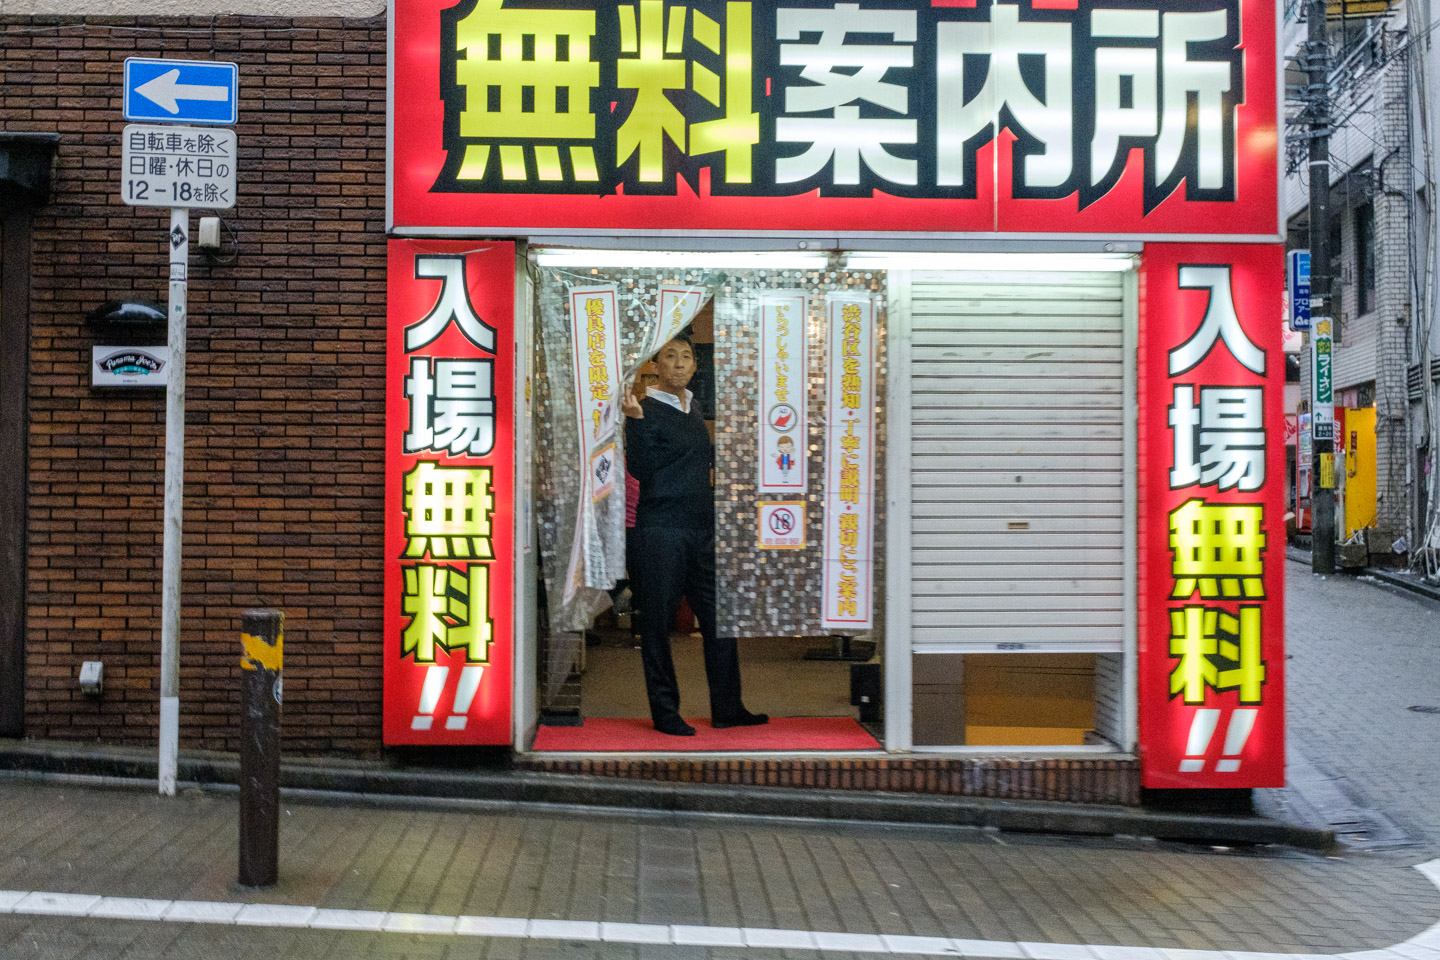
(380, 785)
(1404, 583)
(1387, 577)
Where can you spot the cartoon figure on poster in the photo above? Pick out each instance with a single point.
(669, 451)
(785, 457)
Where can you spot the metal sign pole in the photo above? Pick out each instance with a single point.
(173, 166)
(179, 239)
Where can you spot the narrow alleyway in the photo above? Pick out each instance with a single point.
(1363, 691)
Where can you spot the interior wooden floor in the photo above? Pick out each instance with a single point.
(776, 678)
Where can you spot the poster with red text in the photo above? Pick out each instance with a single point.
(784, 439)
(1211, 517)
(449, 492)
(849, 542)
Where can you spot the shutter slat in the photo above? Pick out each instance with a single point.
(1017, 378)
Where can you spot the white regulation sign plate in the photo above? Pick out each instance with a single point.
(171, 166)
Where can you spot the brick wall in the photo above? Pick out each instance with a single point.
(1074, 780)
(285, 386)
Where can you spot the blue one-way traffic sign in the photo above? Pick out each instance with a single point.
(181, 91)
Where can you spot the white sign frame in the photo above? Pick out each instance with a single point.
(845, 420)
(768, 538)
(101, 377)
(180, 84)
(178, 167)
(1297, 286)
(597, 418)
(784, 385)
(1322, 407)
(679, 305)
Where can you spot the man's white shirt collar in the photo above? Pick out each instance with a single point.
(665, 396)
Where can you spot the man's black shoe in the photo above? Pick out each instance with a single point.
(675, 727)
(742, 719)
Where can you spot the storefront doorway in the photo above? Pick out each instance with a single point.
(1010, 615)
(769, 594)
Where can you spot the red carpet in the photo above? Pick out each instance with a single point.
(638, 736)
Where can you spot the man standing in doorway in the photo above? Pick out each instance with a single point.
(668, 450)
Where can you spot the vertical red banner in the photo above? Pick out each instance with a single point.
(449, 492)
(1211, 520)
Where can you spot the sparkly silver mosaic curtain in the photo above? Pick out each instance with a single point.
(760, 593)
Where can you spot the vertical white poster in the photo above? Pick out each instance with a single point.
(783, 447)
(849, 462)
(596, 337)
(678, 306)
(597, 365)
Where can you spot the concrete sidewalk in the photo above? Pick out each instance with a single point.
(712, 873)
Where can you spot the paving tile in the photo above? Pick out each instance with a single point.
(1183, 954)
(565, 929)
(330, 919)
(130, 908)
(862, 942)
(418, 923)
(202, 911)
(62, 904)
(635, 932)
(1105, 952)
(780, 939)
(274, 914)
(687, 935)
(1057, 951)
(925, 946)
(492, 926)
(988, 948)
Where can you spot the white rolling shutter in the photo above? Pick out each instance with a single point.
(1016, 462)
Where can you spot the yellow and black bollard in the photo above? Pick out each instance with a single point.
(262, 636)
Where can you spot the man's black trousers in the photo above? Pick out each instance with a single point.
(671, 562)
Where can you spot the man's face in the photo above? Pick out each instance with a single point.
(675, 365)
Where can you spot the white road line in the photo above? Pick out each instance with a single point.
(1422, 946)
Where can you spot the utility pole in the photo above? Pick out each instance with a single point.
(1322, 431)
(170, 575)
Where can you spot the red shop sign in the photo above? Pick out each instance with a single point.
(1212, 508)
(449, 492)
(1053, 117)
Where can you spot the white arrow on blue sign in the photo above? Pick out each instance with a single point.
(181, 91)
